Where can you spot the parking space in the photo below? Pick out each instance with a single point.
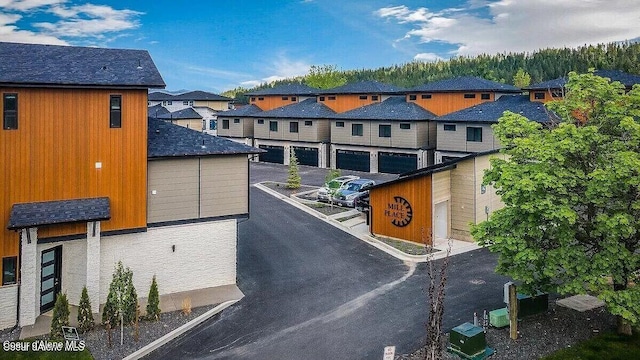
(310, 175)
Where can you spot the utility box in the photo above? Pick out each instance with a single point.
(531, 305)
(467, 340)
(499, 317)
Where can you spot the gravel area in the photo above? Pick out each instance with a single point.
(149, 331)
(542, 334)
(282, 188)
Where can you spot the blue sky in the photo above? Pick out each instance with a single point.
(218, 45)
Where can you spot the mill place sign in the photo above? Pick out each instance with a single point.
(399, 211)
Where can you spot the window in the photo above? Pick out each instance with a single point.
(225, 123)
(260, 98)
(538, 96)
(332, 98)
(115, 107)
(339, 123)
(413, 97)
(425, 96)
(321, 98)
(273, 126)
(485, 96)
(10, 112)
(374, 98)
(204, 124)
(212, 124)
(293, 98)
(285, 98)
(405, 126)
(556, 93)
(185, 103)
(474, 134)
(293, 127)
(169, 102)
(190, 102)
(260, 121)
(9, 265)
(449, 127)
(308, 123)
(469, 96)
(236, 121)
(253, 99)
(357, 129)
(363, 97)
(384, 131)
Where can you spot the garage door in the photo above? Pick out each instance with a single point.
(353, 160)
(274, 154)
(396, 163)
(306, 155)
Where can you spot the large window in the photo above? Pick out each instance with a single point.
(10, 112)
(474, 134)
(357, 129)
(9, 265)
(225, 123)
(115, 106)
(293, 127)
(273, 126)
(384, 131)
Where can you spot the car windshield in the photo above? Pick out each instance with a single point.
(354, 187)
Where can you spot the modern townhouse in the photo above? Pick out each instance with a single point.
(206, 104)
(89, 180)
(271, 98)
(186, 117)
(237, 124)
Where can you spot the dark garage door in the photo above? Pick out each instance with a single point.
(353, 160)
(396, 163)
(306, 155)
(274, 154)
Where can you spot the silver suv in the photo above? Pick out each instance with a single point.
(329, 188)
(351, 192)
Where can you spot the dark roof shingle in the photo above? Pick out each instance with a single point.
(490, 112)
(58, 212)
(243, 111)
(465, 83)
(186, 113)
(53, 65)
(393, 108)
(364, 87)
(170, 140)
(306, 109)
(157, 110)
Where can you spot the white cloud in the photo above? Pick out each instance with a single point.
(427, 57)
(250, 83)
(10, 32)
(25, 5)
(282, 68)
(521, 25)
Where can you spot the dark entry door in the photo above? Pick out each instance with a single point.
(306, 155)
(50, 281)
(353, 160)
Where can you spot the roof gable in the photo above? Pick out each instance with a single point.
(246, 110)
(53, 65)
(393, 108)
(465, 83)
(306, 109)
(187, 113)
(490, 112)
(157, 110)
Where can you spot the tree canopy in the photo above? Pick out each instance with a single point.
(324, 77)
(571, 217)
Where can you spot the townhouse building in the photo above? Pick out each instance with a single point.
(283, 95)
(89, 180)
(207, 105)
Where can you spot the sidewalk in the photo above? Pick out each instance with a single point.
(357, 227)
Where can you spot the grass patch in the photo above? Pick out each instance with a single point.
(45, 355)
(602, 347)
(405, 246)
(349, 217)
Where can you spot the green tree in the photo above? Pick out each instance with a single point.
(332, 174)
(153, 301)
(294, 180)
(122, 299)
(85, 315)
(521, 79)
(324, 77)
(60, 316)
(571, 220)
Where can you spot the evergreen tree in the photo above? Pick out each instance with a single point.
(121, 300)
(85, 315)
(293, 182)
(153, 301)
(60, 316)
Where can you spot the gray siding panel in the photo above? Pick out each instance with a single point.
(176, 186)
(224, 186)
(452, 140)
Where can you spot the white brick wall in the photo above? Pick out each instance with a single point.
(29, 278)
(8, 306)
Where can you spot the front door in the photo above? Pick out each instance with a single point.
(50, 282)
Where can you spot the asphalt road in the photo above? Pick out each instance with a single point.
(315, 292)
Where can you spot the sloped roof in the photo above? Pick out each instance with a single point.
(306, 109)
(364, 87)
(187, 113)
(170, 140)
(465, 83)
(393, 108)
(626, 79)
(286, 89)
(41, 213)
(53, 65)
(157, 110)
(490, 112)
(201, 96)
(243, 111)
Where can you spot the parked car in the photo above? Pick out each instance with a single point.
(325, 192)
(352, 191)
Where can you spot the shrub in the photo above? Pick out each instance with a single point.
(294, 180)
(85, 316)
(122, 297)
(60, 316)
(153, 301)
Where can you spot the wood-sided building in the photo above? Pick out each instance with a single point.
(555, 89)
(357, 94)
(283, 95)
(436, 202)
(76, 197)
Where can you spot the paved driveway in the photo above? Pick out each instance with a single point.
(315, 292)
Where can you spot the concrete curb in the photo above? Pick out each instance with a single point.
(156, 344)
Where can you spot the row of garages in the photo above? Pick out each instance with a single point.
(369, 160)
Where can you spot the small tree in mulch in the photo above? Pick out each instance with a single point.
(60, 316)
(121, 300)
(85, 315)
(153, 301)
(294, 180)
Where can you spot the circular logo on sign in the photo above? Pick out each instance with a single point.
(399, 211)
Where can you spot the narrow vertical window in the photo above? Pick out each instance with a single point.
(115, 118)
(9, 266)
(10, 112)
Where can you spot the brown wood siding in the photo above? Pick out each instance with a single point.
(270, 102)
(418, 193)
(446, 103)
(61, 134)
(346, 102)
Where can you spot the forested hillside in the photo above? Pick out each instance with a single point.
(542, 65)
